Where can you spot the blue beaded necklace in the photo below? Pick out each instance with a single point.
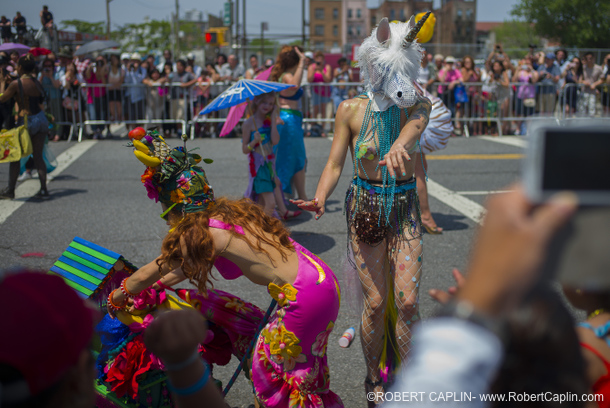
(386, 126)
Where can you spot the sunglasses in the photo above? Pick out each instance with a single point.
(165, 215)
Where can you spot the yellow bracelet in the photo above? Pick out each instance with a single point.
(250, 148)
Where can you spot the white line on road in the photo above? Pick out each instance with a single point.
(462, 204)
(30, 187)
(509, 140)
(482, 192)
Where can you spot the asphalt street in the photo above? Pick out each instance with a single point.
(99, 197)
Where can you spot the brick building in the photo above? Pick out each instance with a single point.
(456, 24)
(326, 24)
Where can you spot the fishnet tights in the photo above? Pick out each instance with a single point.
(403, 259)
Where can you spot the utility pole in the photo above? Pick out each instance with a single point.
(304, 22)
(236, 46)
(108, 18)
(243, 33)
(264, 27)
(176, 31)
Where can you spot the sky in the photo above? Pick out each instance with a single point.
(283, 16)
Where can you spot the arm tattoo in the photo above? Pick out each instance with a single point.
(421, 111)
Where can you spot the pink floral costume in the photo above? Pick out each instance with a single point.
(289, 364)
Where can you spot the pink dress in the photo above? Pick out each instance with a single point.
(289, 364)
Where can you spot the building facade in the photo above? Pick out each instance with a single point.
(337, 25)
(456, 27)
(326, 25)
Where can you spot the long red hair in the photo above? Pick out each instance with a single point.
(286, 59)
(193, 229)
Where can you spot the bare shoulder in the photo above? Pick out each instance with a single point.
(349, 108)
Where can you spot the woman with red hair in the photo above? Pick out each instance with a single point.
(288, 365)
(291, 159)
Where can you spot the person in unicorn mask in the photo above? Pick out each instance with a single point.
(382, 128)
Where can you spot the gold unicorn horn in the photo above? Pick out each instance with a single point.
(415, 30)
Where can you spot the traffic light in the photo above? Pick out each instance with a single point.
(216, 36)
(211, 38)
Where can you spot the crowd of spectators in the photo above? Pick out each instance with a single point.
(169, 92)
(541, 83)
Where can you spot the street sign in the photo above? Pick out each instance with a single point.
(228, 20)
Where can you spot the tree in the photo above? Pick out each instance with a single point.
(85, 27)
(516, 34)
(153, 34)
(270, 47)
(579, 23)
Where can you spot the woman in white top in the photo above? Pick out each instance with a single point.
(116, 76)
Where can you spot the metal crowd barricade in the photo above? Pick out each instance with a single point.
(63, 114)
(199, 100)
(487, 105)
(133, 104)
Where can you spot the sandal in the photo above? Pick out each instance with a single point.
(372, 388)
(433, 230)
(291, 214)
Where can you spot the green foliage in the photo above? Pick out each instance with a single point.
(516, 34)
(270, 46)
(579, 23)
(84, 27)
(153, 34)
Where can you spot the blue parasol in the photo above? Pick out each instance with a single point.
(241, 91)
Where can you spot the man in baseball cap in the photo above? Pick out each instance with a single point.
(45, 359)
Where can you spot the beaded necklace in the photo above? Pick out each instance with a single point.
(386, 126)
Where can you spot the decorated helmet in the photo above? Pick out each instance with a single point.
(172, 175)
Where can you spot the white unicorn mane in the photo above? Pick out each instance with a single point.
(392, 57)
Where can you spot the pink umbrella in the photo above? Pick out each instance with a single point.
(236, 112)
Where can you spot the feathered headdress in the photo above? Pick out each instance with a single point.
(390, 59)
(171, 175)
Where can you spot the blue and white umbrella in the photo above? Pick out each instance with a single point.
(242, 90)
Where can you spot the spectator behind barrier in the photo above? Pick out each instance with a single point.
(571, 77)
(605, 94)
(319, 72)
(343, 73)
(232, 71)
(180, 98)
(590, 81)
(548, 76)
(135, 94)
(97, 75)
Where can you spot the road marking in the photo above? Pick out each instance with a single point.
(509, 156)
(30, 187)
(507, 140)
(482, 192)
(469, 208)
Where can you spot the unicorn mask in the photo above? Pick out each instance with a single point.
(390, 59)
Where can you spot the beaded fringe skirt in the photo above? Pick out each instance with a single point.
(365, 209)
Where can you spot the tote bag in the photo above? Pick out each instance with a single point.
(15, 144)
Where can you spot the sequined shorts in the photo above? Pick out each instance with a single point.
(366, 215)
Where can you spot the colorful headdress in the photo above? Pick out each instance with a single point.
(171, 175)
(390, 59)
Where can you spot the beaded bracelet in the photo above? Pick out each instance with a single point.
(250, 147)
(202, 382)
(111, 304)
(126, 292)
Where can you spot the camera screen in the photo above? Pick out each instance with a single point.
(576, 160)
